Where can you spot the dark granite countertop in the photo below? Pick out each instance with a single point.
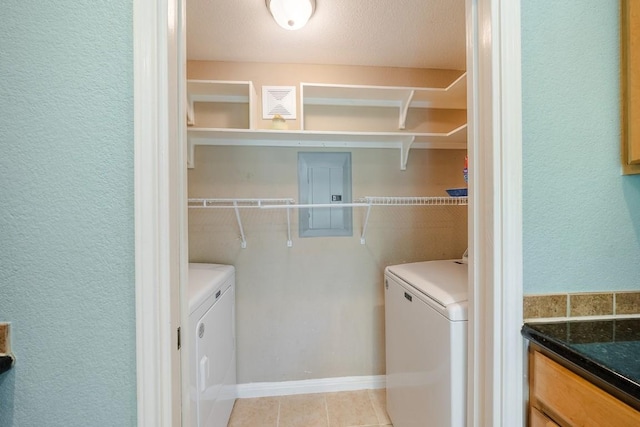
(606, 352)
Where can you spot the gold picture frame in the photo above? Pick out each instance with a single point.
(630, 85)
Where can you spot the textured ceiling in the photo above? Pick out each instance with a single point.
(397, 33)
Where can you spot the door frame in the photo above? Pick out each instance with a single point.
(160, 207)
(496, 361)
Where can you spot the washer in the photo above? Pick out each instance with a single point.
(212, 343)
(426, 343)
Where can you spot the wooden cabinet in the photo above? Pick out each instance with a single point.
(630, 84)
(558, 396)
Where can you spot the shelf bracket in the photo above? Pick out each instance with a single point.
(243, 243)
(190, 153)
(405, 146)
(404, 108)
(364, 225)
(289, 242)
(191, 118)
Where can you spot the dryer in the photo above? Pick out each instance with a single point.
(426, 343)
(212, 343)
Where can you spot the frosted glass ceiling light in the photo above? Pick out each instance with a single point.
(291, 14)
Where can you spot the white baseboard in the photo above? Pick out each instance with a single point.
(321, 385)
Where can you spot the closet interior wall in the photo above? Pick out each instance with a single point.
(316, 309)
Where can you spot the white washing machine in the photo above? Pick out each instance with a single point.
(212, 371)
(426, 343)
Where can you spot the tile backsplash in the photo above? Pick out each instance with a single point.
(591, 304)
(627, 303)
(544, 306)
(581, 305)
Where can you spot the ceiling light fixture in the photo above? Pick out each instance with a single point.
(291, 14)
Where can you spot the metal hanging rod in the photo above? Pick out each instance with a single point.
(316, 205)
(233, 203)
(284, 203)
(288, 204)
(413, 201)
(368, 201)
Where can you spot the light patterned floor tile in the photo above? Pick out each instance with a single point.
(342, 409)
(304, 410)
(379, 400)
(258, 412)
(351, 408)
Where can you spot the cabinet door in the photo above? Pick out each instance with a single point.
(630, 80)
(573, 401)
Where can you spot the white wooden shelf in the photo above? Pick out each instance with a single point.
(239, 92)
(453, 96)
(404, 98)
(288, 204)
(404, 141)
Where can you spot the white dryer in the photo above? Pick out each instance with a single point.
(426, 343)
(212, 368)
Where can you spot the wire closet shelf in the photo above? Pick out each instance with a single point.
(288, 204)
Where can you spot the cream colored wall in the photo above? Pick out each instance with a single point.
(316, 310)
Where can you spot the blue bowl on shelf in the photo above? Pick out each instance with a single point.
(457, 192)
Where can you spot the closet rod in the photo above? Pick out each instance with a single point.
(233, 203)
(413, 200)
(361, 202)
(315, 205)
(288, 204)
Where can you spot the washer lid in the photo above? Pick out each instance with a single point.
(444, 281)
(205, 280)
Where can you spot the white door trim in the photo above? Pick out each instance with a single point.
(158, 182)
(511, 399)
(495, 222)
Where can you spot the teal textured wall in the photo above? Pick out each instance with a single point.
(581, 217)
(66, 212)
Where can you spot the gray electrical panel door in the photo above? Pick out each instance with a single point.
(325, 178)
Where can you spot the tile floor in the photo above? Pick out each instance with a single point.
(341, 409)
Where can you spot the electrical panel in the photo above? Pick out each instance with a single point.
(325, 179)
